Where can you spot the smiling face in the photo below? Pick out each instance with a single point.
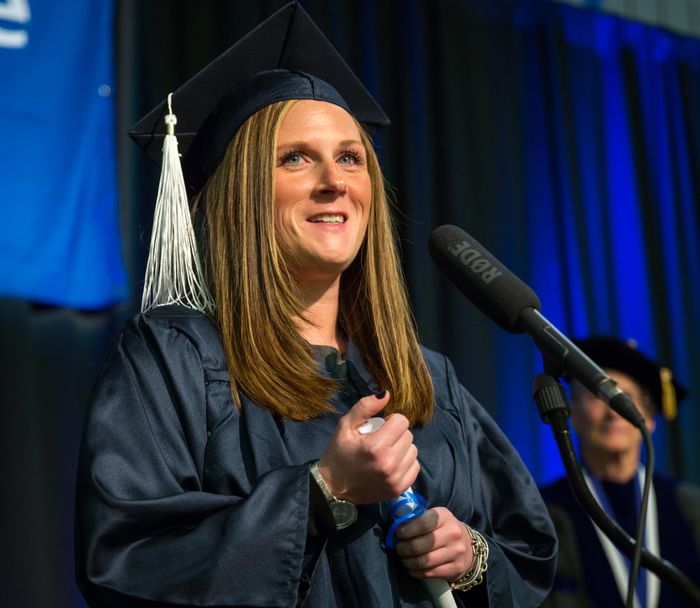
(601, 431)
(322, 190)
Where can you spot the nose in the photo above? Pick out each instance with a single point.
(337, 186)
(612, 415)
(331, 180)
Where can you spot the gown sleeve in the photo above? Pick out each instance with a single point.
(148, 533)
(508, 511)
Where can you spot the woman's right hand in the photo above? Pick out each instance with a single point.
(369, 468)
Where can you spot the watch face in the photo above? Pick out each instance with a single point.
(344, 513)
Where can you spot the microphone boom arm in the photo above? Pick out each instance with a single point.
(561, 358)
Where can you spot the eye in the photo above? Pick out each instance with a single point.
(293, 157)
(351, 157)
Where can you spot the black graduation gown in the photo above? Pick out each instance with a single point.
(584, 577)
(184, 500)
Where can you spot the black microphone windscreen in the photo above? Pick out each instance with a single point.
(494, 289)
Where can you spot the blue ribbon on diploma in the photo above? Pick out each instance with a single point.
(406, 506)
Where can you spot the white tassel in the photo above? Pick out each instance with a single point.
(173, 272)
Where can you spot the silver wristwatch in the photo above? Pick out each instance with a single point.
(344, 512)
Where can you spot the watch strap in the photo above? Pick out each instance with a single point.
(321, 521)
(323, 486)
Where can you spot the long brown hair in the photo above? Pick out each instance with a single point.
(257, 297)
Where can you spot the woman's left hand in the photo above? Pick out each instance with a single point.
(435, 545)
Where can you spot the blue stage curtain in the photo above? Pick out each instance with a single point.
(610, 149)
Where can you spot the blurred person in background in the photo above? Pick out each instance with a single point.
(591, 571)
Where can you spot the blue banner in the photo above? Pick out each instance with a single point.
(59, 238)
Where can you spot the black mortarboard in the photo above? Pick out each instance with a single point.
(285, 57)
(612, 353)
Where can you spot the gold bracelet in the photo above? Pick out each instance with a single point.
(475, 575)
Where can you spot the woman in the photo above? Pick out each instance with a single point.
(222, 462)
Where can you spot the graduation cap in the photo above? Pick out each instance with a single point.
(612, 353)
(285, 57)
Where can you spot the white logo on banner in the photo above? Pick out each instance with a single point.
(16, 11)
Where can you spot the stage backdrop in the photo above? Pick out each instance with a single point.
(59, 238)
(565, 140)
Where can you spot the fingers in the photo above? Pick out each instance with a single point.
(439, 563)
(435, 545)
(400, 473)
(391, 455)
(421, 526)
(365, 408)
(395, 426)
(409, 467)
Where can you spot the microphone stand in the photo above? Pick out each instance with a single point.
(553, 408)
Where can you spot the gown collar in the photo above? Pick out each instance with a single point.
(354, 367)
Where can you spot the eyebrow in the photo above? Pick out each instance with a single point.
(303, 144)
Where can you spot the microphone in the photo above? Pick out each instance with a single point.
(515, 307)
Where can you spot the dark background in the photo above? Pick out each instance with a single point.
(567, 142)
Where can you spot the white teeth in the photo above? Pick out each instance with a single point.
(328, 219)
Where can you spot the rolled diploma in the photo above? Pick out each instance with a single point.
(438, 588)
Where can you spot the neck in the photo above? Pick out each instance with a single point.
(618, 467)
(319, 324)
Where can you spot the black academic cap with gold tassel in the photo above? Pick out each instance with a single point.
(612, 353)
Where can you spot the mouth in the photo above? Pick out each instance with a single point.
(328, 218)
(616, 428)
